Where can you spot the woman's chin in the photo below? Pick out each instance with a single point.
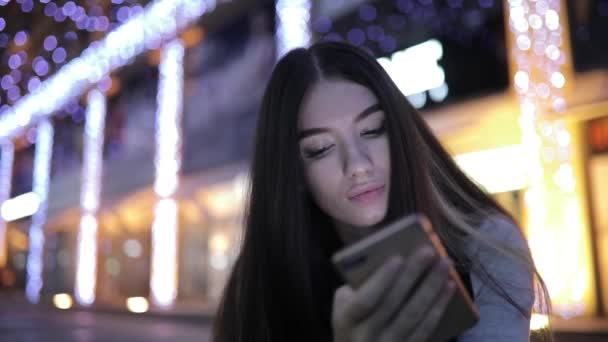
(368, 221)
(368, 215)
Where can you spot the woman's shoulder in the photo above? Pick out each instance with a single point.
(500, 226)
(500, 320)
(500, 230)
(505, 256)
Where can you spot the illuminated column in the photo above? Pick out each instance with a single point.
(42, 171)
(86, 261)
(163, 277)
(293, 25)
(6, 175)
(224, 203)
(557, 228)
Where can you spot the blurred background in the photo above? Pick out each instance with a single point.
(126, 127)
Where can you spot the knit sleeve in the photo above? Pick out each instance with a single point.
(499, 319)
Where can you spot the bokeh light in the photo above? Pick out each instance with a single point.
(50, 43)
(62, 301)
(59, 55)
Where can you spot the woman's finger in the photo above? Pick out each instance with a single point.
(342, 328)
(423, 300)
(415, 267)
(429, 324)
(367, 298)
(342, 297)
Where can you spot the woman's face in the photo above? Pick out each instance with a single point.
(345, 152)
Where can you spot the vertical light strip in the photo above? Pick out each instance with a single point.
(86, 267)
(163, 278)
(6, 175)
(41, 178)
(161, 20)
(293, 25)
(541, 63)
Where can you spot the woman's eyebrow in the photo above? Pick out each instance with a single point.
(365, 113)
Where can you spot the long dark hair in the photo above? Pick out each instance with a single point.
(282, 284)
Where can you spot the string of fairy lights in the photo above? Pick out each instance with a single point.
(145, 30)
(158, 22)
(163, 278)
(383, 27)
(41, 184)
(540, 78)
(30, 62)
(7, 154)
(37, 85)
(86, 266)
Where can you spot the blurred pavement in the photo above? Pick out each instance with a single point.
(20, 321)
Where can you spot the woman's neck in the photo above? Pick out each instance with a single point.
(350, 234)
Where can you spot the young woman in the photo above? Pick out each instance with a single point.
(339, 153)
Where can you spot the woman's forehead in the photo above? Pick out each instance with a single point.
(328, 100)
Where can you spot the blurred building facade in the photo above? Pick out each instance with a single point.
(521, 105)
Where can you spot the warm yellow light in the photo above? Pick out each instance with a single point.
(137, 304)
(192, 36)
(496, 170)
(219, 243)
(131, 218)
(62, 301)
(190, 211)
(226, 199)
(110, 223)
(17, 240)
(568, 276)
(555, 202)
(538, 322)
(220, 202)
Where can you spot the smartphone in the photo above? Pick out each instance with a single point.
(358, 261)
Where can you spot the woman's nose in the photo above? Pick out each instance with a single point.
(357, 163)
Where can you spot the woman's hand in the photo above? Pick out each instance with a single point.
(390, 306)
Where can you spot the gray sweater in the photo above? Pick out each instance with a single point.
(499, 320)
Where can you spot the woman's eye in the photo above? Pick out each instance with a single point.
(317, 153)
(375, 132)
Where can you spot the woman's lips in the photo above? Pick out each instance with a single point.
(368, 195)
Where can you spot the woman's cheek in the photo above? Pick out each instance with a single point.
(323, 176)
(380, 153)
